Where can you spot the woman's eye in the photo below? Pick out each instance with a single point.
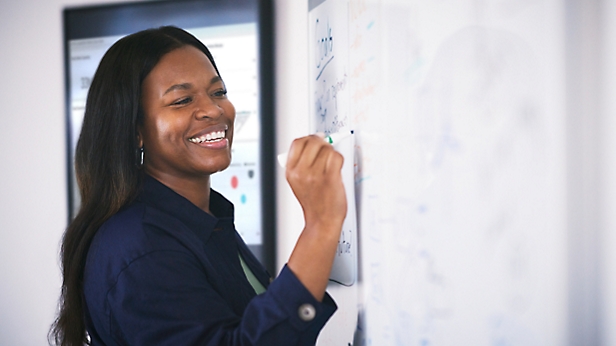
(220, 93)
(182, 101)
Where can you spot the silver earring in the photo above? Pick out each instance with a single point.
(141, 155)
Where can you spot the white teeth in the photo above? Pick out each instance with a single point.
(214, 136)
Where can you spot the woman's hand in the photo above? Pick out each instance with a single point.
(313, 172)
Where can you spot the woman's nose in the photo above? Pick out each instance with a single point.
(208, 108)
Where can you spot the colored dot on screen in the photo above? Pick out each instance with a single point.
(234, 182)
(243, 199)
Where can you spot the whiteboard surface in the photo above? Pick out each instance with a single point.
(458, 112)
(330, 114)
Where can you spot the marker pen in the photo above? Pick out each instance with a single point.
(331, 139)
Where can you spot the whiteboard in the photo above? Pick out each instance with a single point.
(458, 113)
(330, 107)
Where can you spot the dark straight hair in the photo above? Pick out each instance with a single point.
(106, 159)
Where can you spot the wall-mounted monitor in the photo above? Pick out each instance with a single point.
(239, 34)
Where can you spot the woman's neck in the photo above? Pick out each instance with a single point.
(194, 189)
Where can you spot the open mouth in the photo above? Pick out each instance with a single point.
(211, 137)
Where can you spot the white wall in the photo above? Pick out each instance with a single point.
(608, 173)
(32, 184)
(291, 111)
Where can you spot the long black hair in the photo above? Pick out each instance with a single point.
(106, 158)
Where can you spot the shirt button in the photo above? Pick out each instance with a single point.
(307, 312)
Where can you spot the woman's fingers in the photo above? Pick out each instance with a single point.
(313, 172)
(304, 151)
(334, 162)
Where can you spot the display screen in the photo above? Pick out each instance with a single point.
(235, 45)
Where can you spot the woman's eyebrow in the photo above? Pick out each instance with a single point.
(183, 86)
(187, 86)
(215, 79)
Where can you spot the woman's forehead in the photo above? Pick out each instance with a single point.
(181, 65)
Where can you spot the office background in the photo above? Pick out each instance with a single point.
(33, 205)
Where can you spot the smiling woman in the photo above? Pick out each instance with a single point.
(153, 256)
(188, 128)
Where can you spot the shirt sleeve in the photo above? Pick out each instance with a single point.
(164, 298)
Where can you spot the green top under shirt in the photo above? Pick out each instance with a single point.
(252, 279)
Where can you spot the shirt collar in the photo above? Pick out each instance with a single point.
(165, 199)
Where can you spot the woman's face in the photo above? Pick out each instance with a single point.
(187, 129)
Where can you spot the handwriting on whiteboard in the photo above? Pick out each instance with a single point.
(325, 46)
(330, 79)
(344, 243)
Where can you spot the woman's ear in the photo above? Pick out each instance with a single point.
(139, 138)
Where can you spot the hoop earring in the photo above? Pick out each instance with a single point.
(140, 157)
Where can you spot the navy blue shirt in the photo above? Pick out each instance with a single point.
(163, 272)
